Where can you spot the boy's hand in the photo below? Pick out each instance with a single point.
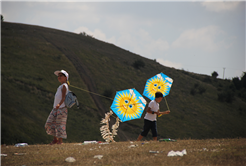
(167, 112)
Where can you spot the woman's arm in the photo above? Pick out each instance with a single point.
(64, 90)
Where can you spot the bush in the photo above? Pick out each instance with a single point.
(138, 64)
(2, 18)
(108, 93)
(207, 79)
(196, 85)
(242, 111)
(242, 93)
(197, 89)
(236, 81)
(215, 74)
(193, 91)
(243, 80)
(201, 90)
(226, 96)
(232, 87)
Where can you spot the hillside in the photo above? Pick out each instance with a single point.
(30, 55)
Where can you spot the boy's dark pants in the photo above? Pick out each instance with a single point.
(147, 126)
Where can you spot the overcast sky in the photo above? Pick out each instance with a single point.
(199, 37)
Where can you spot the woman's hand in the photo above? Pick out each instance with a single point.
(57, 106)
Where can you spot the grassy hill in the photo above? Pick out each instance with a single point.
(30, 54)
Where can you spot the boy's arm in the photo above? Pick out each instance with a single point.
(165, 112)
(150, 112)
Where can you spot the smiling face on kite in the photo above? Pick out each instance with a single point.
(128, 105)
(156, 85)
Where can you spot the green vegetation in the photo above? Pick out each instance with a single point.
(138, 64)
(215, 74)
(30, 55)
(197, 89)
(2, 19)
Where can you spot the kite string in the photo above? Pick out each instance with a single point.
(94, 94)
(91, 92)
(166, 103)
(167, 106)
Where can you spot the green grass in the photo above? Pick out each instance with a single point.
(30, 55)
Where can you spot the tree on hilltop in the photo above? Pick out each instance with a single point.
(2, 18)
(243, 80)
(215, 74)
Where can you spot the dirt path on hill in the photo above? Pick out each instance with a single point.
(83, 72)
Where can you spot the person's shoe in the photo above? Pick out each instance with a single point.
(53, 142)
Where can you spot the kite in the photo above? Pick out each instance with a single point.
(158, 83)
(128, 104)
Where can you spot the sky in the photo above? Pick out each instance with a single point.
(195, 36)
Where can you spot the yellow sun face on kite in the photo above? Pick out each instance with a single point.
(128, 106)
(156, 85)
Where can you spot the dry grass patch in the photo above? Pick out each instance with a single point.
(199, 152)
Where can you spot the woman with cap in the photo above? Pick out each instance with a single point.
(56, 122)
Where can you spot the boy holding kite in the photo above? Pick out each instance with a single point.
(150, 117)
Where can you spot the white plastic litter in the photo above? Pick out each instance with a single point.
(184, 152)
(132, 146)
(177, 153)
(151, 151)
(90, 142)
(4, 155)
(21, 145)
(103, 143)
(70, 159)
(98, 156)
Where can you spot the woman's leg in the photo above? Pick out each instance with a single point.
(61, 123)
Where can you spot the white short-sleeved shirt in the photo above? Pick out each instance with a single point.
(58, 96)
(154, 106)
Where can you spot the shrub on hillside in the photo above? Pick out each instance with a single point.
(242, 111)
(207, 79)
(108, 93)
(243, 80)
(138, 64)
(201, 89)
(232, 87)
(2, 18)
(242, 93)
(193, 91)
(236, 81)
(196, 85)
(226, 96)
(197, 89)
